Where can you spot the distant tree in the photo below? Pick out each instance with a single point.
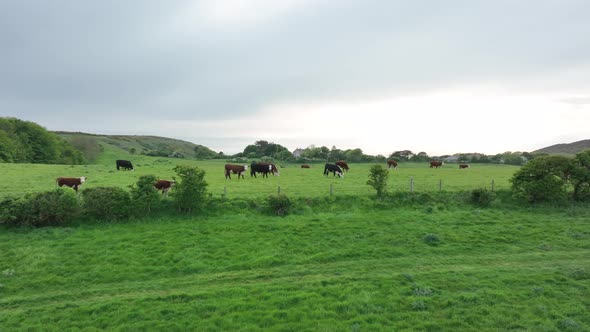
(88, 145)
(420, 157)
(380, 158)
(132, 150)
(354, 155)
(403, 155)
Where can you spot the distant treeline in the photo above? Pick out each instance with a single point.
(265, 150)
(27, 142)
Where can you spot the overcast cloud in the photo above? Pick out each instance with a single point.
(434, 76)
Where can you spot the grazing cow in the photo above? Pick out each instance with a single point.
(125, 164)
(305, 166)
(462, 166)
(264, 168)
(164, 186)
(342, 165)
(71, 182)
(236, 169)
(391, 163)
(334, 168)
(436, 163)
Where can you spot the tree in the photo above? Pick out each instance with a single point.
(543, 179)
(144, 195)
(378, 179)
(191, 191)
(580, 176)
(401, 155)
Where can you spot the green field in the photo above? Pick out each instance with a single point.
(342, 263)
(293, 180)
(357, 269)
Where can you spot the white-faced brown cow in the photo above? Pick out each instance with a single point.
(164, 186)
(343, 165)
(71, 182)
(305, 166)
(391, 163)
(236, 169)
(462, 166)
(436, 163)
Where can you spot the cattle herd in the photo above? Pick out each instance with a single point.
(264, 168)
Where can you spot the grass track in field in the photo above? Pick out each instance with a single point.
(358, 269)
(16, 179)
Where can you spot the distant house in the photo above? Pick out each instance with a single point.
(297, 153)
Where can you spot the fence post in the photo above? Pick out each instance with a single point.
(492, 184)
(278, 190)
(440, 185)
(411, 184)
(224, 191)
(331, 190)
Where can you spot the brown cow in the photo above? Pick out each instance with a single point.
(71, 182)
(436, 163)
(342, 165)
(391, 163)
(305, 166)
(236, 169)
(462, 166)
(164, 185)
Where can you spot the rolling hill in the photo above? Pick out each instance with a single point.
(146, 145)
(566, 148)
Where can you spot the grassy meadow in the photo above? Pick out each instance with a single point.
(293, 180)
(343, 263)
(354, 269)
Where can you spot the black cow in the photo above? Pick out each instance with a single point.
(264, 168)
(334, 169)
(125, 164)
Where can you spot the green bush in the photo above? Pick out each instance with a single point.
(543, 179)
(107, 203)
(52, 208)
(378, 179)
(191, 192)
(279, 204)
(482, 197)
(144, 196)
(432, 239)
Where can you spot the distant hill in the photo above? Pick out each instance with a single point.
(146, 145)
(571, 148)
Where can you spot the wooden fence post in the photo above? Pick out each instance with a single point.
(224, 191)
(493, 184)
(411, 184)
(440, 185)
(278, 190)
(331, 190)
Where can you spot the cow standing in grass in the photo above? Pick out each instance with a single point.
(125, 164)
(343, 165)
(334, 169)
(436, 163)
(71, 182)
(164, 186)
(264, 168)
(236, 169)
(462, 166)
(391, 163)
(305, 166)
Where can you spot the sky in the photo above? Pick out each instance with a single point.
(437, 76)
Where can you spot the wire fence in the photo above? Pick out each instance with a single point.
(343, 188)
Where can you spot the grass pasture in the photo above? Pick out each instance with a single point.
(343, 263)
(294, 181)
(358, 269)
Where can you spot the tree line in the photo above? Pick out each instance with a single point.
(27, 142)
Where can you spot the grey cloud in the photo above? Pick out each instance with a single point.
(122, 59)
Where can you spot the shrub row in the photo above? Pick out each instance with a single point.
(60, 206)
